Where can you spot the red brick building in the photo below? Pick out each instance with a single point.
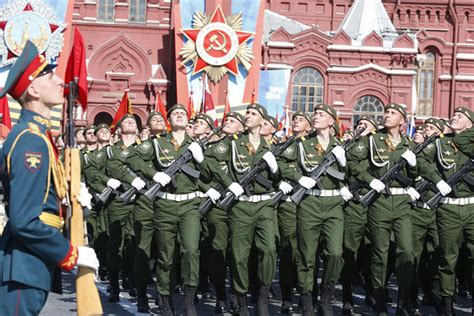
(356, 55)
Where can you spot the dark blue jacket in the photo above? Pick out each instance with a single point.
(29, 249)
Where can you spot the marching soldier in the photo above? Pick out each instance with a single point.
(320, 212)
(251, 219)
(32, 247)
(355, 227)
(119, 214)
(176, 217)
(79, 137)
(419, 136)
(454, 214)
(301, 125)
(217, 218)
(390, 212)
(156, 123)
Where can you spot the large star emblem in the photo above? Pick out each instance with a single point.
(216, 44)
(38, 23)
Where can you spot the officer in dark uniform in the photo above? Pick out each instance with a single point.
(32, 246)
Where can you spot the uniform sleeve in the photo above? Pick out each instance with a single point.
(29, 174)
(465, 142)
(137, 162)
(358, 161)
(216, 160)
(95, 178)
(426, 164)
(117, 169)
(288, 164)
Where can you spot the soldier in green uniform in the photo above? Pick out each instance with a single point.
(301, 125)
(355, 227)
(454, 214)
(176, 217)
(251, 219)
(391, 211)
(144, 228)
(190, 128)
(217, 219)
(119, 214)
(425, 233)
(320, 212)
(419, 136)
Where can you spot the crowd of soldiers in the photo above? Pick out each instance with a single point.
(396, 232)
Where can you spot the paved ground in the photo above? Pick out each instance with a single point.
(61, 305)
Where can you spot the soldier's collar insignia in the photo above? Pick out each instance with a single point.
(42, 121)
(33, 161)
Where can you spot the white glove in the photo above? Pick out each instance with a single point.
(444, 188)
(307, 182)
(87, 258)
(84, 197)
(413, 194)
(340, 155)
(345, 194)
(285, 187)
(271, 161)
(410, 157)
(113, 183)
(162, 178)
(377, 185)
(196, 150)
(138, 183)
(213, 195)
(236, 189)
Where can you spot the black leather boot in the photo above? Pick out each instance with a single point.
(167, 306)
(347, 301)
(327, 292)
(262, 303)
(189, 294)
(221, 306)
(114, 295)
(242, 302)
(142, 300)
(403, 304)
(447, 308)
(307, 304)
(286, 305)
(380, 302)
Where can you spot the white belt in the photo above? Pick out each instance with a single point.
(255, 198)
(317, 192)
(458, 201)
(398, 191)
(179, 197)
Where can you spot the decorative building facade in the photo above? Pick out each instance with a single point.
(355, 55)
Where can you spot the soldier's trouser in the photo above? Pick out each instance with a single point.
(120, 229)
(252, 223)
(179, 221)
(144, 232)
(319, 216)
(96, 229)
(454, 221)
(288, 244)
(389, 213)
(204, 251)
(425, 231)
(19, 299)
(355, 222)
(218, 226)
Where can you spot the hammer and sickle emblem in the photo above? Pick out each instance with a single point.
(217, 44)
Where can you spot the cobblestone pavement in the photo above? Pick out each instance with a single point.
(65, 304)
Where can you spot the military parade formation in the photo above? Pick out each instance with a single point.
(195, 206)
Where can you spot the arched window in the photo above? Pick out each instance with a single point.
(137, 11)
(308, 87)
(103, 117)
(368, 106)
(426, 74)
(105, 11)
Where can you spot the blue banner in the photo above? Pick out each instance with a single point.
(273, 90)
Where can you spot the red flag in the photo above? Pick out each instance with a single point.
(76, 68)
(252, 101)
(209, 108)
(161, 108)
(226, 108)
(125, 107)
(5, 112)
(190, 106)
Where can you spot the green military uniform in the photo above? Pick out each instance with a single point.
(371, 158)
(120, 215)
(454, 214)
(251, 219)
(176, 217)
(318, 215)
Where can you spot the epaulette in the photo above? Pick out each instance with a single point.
(138, 141)
(235, 136)
(34, 129)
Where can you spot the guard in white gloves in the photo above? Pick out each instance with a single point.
(84, 197)
(236, 189)
(307, 182)
(87, 258)
(196, 150)
(414, 195)
(340, 155)
(285, 187)
(162, 178)
(138, 183)
(271, 161)
(345, 193)
(443, 187)
(113, 183)
(377, 185)
(214, 195)
(410, 157)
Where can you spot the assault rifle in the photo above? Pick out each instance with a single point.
(103, 197)
(253, 174)
(178, 165)
(453, 182)
(323, 167)
(392, 173)
(88, 300)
